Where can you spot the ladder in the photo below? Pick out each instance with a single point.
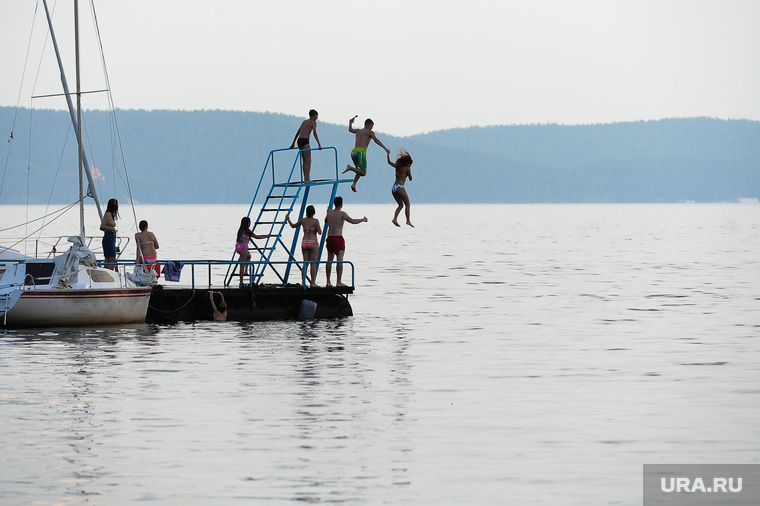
(283, 197)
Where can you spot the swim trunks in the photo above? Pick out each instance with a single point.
(396, 187)
(335, 244)
(303, 141)
(359, 157)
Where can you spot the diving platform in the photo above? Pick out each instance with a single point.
(277, 284)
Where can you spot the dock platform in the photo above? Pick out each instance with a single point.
(267, 292)
(250, 303)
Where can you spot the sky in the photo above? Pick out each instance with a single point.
(413, 66)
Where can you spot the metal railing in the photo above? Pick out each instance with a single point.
(217, 269)
(283, 194)
(48, 247)
(270, 167)
(30, 282)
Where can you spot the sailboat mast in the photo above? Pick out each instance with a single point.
(79, 122)
(92, 191)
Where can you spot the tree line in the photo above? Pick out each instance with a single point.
(214, 156)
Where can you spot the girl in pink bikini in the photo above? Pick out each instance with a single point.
(309, 243)
(244, 235)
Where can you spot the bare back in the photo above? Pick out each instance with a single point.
(306, 128)
(310, 226)
(334, 221)
(147, 244)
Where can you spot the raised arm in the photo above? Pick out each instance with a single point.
(351, 125)
(388, 154)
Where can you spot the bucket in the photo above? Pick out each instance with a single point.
(308, 308)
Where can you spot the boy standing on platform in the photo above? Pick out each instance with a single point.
(302, 135)
(359, 153)
(336, 245)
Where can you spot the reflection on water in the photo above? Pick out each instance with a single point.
(545, 365)
(273, 411)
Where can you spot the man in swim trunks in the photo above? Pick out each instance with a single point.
(359, 153)
(302, 135)
(336, 245)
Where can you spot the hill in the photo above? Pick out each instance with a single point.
(217, 157)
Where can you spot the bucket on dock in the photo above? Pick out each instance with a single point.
(308, 308)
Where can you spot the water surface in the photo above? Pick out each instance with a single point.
(499, 354)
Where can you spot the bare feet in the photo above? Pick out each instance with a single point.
(342, 284)
(348, 168)
(410, 224)
(395, 223)
(353, 187)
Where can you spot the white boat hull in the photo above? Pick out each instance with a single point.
(78, 307)
(70, 289)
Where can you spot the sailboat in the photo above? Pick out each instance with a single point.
(70, 289)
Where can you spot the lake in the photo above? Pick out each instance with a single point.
(498, 354)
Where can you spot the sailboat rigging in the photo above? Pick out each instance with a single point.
(70, 289)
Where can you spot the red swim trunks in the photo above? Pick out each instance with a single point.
(335, 244)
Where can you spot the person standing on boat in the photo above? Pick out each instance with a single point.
(336, 245)
(403, 167)
(309, 243)
(244, 235)
(302, 136)
(108, 226)
(147, 244)
(359, 153)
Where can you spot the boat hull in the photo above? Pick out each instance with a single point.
(73, 307)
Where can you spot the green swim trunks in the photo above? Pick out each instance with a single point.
(359, 156)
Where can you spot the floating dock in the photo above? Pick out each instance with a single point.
(258, 303)
(269, 291)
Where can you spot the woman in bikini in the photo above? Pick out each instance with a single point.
(403, 167)
(309, 243)
(244, 235)
(147, 244)
(108, 226)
